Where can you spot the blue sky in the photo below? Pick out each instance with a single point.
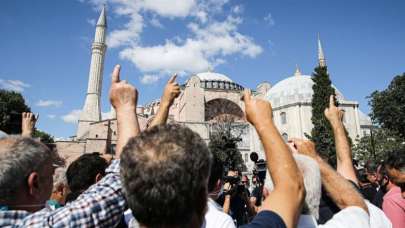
(45, 46)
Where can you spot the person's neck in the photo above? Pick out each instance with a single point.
(22, 202)
(390, 186)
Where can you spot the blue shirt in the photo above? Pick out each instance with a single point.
(266, 219)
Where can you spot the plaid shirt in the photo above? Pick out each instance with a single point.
(102, 205)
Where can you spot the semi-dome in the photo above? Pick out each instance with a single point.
(294, 89)
(212, 76)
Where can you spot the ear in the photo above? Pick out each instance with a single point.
(99, 176)
(33, 184)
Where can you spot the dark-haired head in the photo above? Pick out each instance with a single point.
(165, 172)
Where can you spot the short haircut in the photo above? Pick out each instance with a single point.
(81, 174)
(19, 157)
(371, 167)
(164, 172)
(217, 173)
(396, 160)
(312, 182)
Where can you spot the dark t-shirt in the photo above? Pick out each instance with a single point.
(379, 198)
(266, 219)
(257, 192)
(369, 191)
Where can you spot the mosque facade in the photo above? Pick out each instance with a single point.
(206, 99)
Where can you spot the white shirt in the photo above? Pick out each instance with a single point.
(349, 217)
(377, 217)
(215, 218)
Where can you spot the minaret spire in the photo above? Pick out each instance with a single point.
(297, 71)
(321, 56)
(91, 110)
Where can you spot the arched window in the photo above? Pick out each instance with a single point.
(283, 117)
(285, 137)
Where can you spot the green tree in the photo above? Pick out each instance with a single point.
(43, 136)
(376, 146)
(12, 104)
(224, 138)
(322, 134)
(388, 106)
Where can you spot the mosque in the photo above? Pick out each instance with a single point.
(205, 99)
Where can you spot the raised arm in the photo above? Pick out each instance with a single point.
(124, 98)
(340, 190)
(288, 195)
(343, 149)
(28, 124)
(171, 92)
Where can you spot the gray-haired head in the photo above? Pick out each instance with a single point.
(312, 181)
(19, 157)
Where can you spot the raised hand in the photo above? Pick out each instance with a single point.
(28, 123)
(122, 94)
(257, 110)
(305, 147)
(333, 113)
(171, 91)
(124, 98)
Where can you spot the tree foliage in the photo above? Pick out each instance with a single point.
(321, 133)
(43, 136)
(12, 104)
(388, 106)
(375, 146)
(223, 144)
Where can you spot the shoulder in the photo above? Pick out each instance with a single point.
(349, 217)
(266, 219)
(377, 216)
(217, 218)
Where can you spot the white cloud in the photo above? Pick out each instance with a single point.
(155, 22)
(51, 116)
(149, 79)
(13, 85)
(238, 9)
(208, 42)
(72, 117)
(91, 22)
(48, 103)
(269, 19)
(181, 8)
(196, 54)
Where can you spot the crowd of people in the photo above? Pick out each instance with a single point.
(165, 176)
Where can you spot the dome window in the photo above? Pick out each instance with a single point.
(283, 117)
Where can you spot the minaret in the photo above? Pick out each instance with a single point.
(297, 71)
(321, 56)
(91, 110)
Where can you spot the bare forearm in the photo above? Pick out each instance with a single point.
(336, 185)
(128, 127)
(343, 153)
(161, 116)
(26, 133)
(227, 203)
(277, 153)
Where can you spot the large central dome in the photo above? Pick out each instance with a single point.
(212, 76)
(293, 90)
